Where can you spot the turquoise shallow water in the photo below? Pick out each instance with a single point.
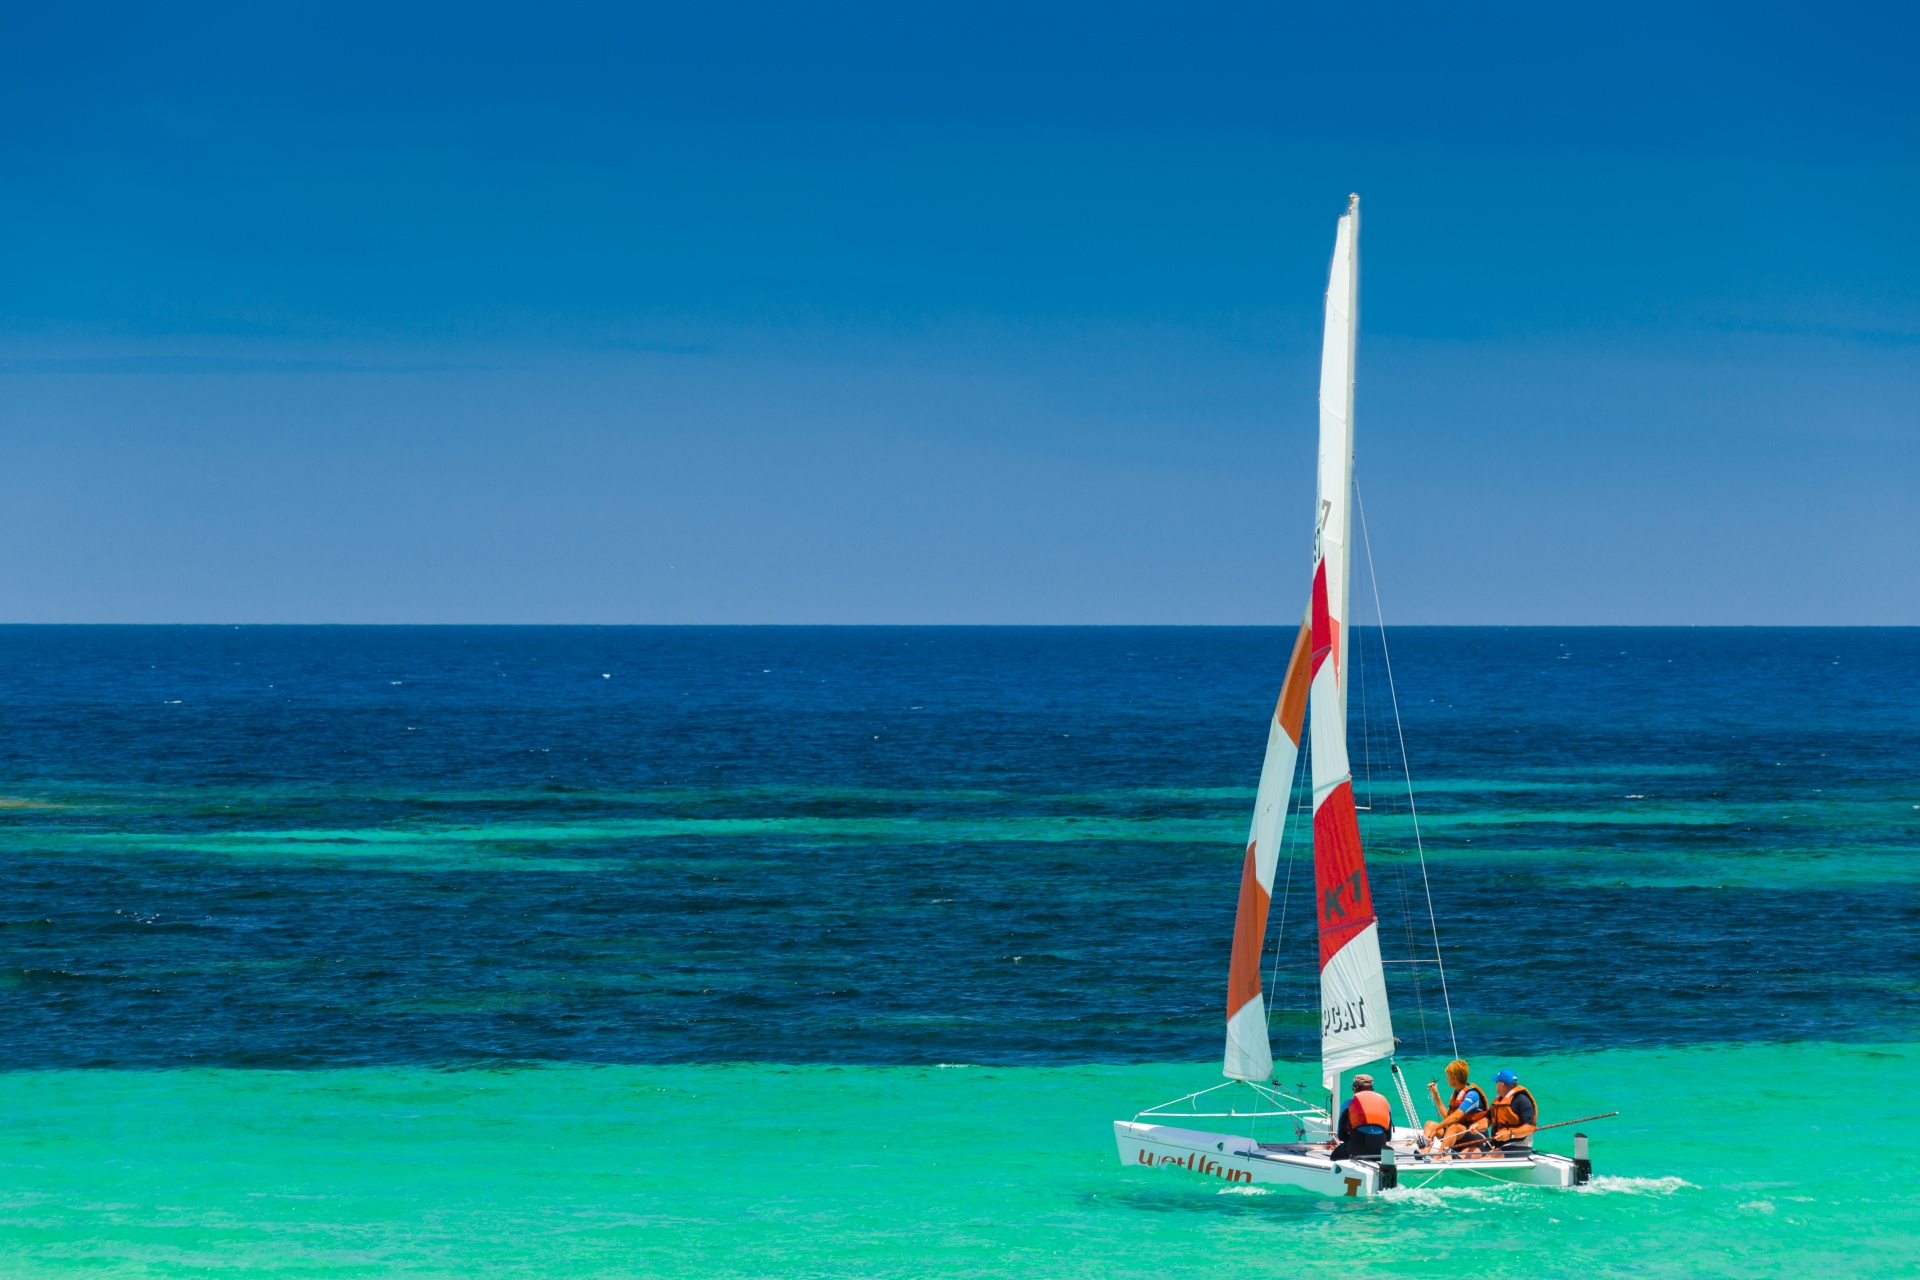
(756, 1170)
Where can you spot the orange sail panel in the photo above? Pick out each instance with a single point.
(1249, 1056)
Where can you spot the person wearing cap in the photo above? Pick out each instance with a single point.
(1366, 1123)
(1513, 1115)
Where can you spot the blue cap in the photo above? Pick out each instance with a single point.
(1506, 1077)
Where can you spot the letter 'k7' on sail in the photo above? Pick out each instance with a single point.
(1356, 1025)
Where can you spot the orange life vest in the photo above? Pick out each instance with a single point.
(1468, 1117)
(1369, 1107)
(1505, 1117)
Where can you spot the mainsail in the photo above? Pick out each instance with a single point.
(1355, 1025)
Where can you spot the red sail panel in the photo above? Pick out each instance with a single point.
(1344, 900)
(1326, 639)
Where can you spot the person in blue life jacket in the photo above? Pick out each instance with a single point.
(1463, 1116)
(1366, 1122)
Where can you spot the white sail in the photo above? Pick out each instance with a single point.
(1333, 508)
(1355, 1023)
(1249, 1054)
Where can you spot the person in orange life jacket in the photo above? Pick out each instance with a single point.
(1513, 1115)
(1365, 1124)
(1466, 1110)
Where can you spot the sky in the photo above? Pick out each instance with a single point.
(935, 313)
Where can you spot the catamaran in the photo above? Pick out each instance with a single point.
(1356, 1025)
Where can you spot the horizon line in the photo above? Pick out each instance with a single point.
(992, 626)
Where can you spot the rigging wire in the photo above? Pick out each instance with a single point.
(1292, 848)
(1366, 732)
(1406, 769)
(1401, 876)
(1359, 649)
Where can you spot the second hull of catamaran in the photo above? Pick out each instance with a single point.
(1232, 1158)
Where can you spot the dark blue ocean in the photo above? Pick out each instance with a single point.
(267, 846)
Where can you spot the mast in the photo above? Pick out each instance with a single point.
(1355, 1024)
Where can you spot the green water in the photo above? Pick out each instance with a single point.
(1730, 1161)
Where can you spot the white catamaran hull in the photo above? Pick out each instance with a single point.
(1232, 1158)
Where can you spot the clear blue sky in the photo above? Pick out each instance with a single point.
(943, 313)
